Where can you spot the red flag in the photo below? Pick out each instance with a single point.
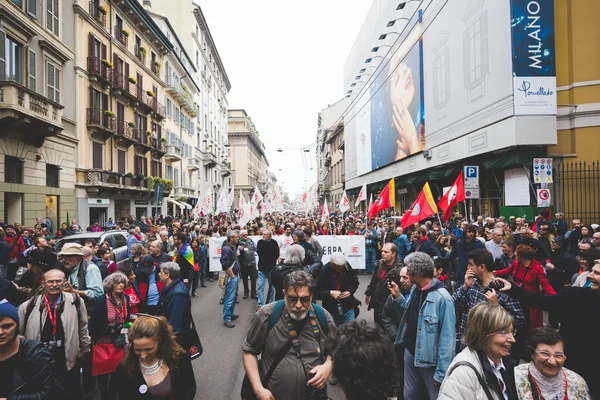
(386, 199)
(422, 208)
(453, 196)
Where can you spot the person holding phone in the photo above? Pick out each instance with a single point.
(378, 291)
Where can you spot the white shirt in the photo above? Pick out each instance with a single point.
(497, 370)
(495, 249)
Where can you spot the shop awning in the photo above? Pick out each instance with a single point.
(178, 204)
(189, 207)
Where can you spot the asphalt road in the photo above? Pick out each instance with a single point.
(219, 371)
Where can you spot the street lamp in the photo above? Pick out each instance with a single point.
(391, 23)
(376, 48)
(384, 35)
(368, 60)
(403, 4)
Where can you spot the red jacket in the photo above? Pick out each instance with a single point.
(530, 278)
(18, 249)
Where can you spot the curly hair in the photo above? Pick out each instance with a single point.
(156, 328)
(525, 252)
(364, 361)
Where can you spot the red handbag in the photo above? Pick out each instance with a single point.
(105, 358)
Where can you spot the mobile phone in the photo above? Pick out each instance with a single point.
(389, 281)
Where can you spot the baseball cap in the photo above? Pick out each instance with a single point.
(147, 261)
(45, 258)
(71, 249)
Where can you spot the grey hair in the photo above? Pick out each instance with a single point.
(112, 280)
(295, 254)
(86, 251)
(299, 279)
(301, 236)
(338, 259)
(231, 233)
(496, 230)
(419, 263)
(243, 232)
(172, 269)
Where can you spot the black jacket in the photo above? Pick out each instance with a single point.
(349, 283)
(508, 376)
(278, 274)
(268, 253)
(183, 382)
(378, 288)
(578, 312)
(35, 377)
(565, 266)
(99, 318)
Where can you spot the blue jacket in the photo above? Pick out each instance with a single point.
(130, 241)
(175, 305)
(426, 246)
(561, 227)
(436, 329)
(403, 246)
(372, 238)
(229, 258)
(461, 251)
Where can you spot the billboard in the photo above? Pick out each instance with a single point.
(533, 57)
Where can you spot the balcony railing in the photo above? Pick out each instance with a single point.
(99, 70)
(109, 179)
(120, 35)
(40, 117)
(173, 152)
(139, 53)
(96, 13)
(96, 117)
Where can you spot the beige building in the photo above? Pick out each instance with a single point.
(37, 118)
(330, 155)
(247, 152)
(119, 80)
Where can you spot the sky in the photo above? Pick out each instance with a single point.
(285, 61)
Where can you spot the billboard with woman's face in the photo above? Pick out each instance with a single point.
(397, 108)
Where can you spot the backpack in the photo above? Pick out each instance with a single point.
(319, 311)
(31, 306)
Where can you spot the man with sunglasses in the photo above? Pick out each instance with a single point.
(289, 335)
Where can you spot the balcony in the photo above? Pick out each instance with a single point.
(182, 95)
(142, 140)
(99, 72)
(173, 153)
(32, 116)
(96, 181)
(99, 16)
(159, 148)
(208, 159)
(124, 134)
(100, 124)
(226, 168)
(140, 53)
(327, 159)
(193, 164)
(121, 35)
(184, 191)
(124, 88)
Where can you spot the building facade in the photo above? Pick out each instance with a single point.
(247, 152)
(428, 94)
(119, 57)
(210, 147)
(37, 113)
(330, 154)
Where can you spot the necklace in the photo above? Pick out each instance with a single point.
(152, 369)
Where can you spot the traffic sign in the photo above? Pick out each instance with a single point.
(543, 198)
(471, 177)
(471, 193)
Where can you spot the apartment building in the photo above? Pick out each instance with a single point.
(120, 53)
(330, 154)
(37, 119)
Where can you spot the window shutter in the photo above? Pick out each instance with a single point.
(55, 17)
(31, 72)
(91, 42)
(104, 101)
(56, 84)
(50, 81)
(126, 70)
(2, 55)
(115, 60)
(104, 51)
(32, 7)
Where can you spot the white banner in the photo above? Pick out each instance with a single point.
(352, 246)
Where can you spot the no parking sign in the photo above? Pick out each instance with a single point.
(543, 198)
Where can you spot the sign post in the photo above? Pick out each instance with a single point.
(471, 177)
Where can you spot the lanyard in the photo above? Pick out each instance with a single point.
(537, 394)
(122, 313)
(294, 334)
(51, 316)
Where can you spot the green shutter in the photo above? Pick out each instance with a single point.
(31, 70)
(2, 56)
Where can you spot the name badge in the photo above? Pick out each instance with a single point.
(143, 389)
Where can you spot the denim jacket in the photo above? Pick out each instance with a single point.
(436, 331)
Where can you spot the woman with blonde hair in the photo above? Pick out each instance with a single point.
(484, 369)
(155, 366)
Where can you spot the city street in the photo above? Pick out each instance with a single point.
(219, 371)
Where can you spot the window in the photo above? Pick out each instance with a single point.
(52, 82)
(18, 2)
(52, 13)
(169, 172)
(141, 167)
(169, 108)
(120, 240)
(13, 170)
(176, 176)
(31, 73)
(97, 150)
(32, 7)
(121, 157)
(52, 175)
(14, 60)
(156, 168)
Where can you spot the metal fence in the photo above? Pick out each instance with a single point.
(577, 190)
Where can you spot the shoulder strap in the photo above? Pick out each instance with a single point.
(482, 382)
(275, 315)
(28, 311)
(322, 319)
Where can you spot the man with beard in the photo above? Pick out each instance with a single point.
(293, 368)
(378, 291)
(423, 244)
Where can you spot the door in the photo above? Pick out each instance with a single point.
(52, 211)
(98, 214)
(13, 207)
(121, 209)
(140, 212)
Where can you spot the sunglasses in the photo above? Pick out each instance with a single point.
(294, 299)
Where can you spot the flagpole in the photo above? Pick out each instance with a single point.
(466, 215)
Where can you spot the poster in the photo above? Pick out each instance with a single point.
(533, 57)
(516, 187)
(353, 248)
(543, 198)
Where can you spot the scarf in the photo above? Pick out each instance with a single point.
(550, 388)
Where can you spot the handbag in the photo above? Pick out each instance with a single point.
(482, 382)
(105, 358)
(190, 341)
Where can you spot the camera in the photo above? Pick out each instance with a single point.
(496, 285)
(114, 330)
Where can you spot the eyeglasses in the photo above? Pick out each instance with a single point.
(506, 333)
(546, 356)
(543, 229)
(294, 299)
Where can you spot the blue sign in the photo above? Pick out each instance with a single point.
(532, 28)
(471, 172)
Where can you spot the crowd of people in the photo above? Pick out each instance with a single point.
(458, 308)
